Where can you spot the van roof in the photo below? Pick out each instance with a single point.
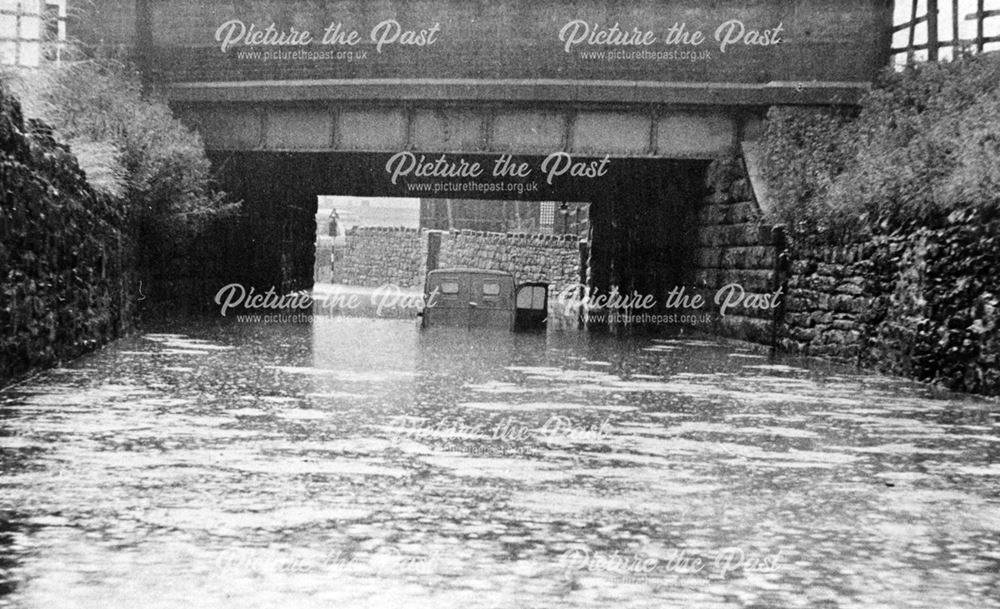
(470, 271)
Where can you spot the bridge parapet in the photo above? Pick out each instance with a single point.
(526, 47)
(685, 79)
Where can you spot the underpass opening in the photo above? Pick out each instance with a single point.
(339, 221)
(389, 246)
(639, 236)
(644, 228)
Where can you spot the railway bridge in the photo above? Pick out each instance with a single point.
(620, 104)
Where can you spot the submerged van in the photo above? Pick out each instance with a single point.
(477, 298)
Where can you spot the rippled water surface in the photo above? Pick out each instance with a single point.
(363, 463)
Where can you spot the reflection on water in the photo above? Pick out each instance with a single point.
(363, 463)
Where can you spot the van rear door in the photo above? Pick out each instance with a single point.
(492, 303)
(531, 306)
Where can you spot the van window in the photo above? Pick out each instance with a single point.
(531, 297)
(538, 297)
(524, 298)
(449, 287)
(491, 289)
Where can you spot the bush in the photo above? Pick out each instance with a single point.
(804, 154)
(131, 145)
(925, 144)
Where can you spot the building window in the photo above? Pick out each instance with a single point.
(547, 216)
(31, 30)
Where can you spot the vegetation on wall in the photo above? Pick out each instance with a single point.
(102, 188)
(915, 174)
(131, 147)
(925, 144)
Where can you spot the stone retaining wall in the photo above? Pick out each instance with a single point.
(375, 256)
(529, 257)
(924, 305)
(831, 292)
(379, 255)
(66, 259)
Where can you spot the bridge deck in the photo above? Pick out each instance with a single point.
(524, 90)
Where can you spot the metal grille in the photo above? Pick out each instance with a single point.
(547, 217)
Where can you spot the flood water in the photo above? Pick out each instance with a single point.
(354, 462)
